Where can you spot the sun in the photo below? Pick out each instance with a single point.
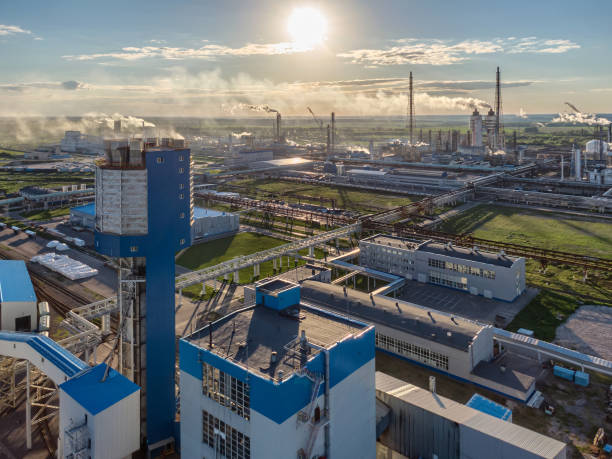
(307, 27)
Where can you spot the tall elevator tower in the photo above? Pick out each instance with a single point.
(143, 217)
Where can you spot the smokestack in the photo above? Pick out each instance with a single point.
(117, 127)
(578, 164)
(410, 111)
(278, 127)
(328, 141)
(498, 108)
(333, 132)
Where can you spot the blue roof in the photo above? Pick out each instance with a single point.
(65, 361)
(89, 209)
(15, 283)
(94, 395)
(201, 212)
(483, 404)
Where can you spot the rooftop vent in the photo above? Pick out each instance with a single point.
(273, 357)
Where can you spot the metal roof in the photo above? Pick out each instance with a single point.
(480, 403)
(436, 326)
(89, 209)
(491, 426)
(464, 253)
(15, 283)
(94, 395)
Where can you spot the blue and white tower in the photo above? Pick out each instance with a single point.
(143, 217)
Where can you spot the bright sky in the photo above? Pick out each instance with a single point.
(206, 57)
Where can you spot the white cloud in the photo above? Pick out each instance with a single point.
(446, 52)
(209, 52)
(12, 30)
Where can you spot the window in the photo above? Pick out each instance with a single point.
(448, 280)
(226, 390)
(228, 442)
(181, 170)
(182, 241)
(182, 215)
(181, 158)
(181, 196)
(23, 324)
(134, 248)
(459, 268)
(412, 351)
(181, 186)
(159, 160)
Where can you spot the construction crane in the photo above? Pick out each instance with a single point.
(317, 120)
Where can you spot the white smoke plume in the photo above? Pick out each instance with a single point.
(238, 135)
(522, 113)
(579, 117)
(257, 108)
(449, 103)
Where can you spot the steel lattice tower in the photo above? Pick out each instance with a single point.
(499, 141)
(410, 111)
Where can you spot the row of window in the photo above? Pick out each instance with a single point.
(226, 390)
(412, 351)
(463, 269)
(160, 159)
(447, 280)
(224, 439)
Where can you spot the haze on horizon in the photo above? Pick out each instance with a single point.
(207, 58)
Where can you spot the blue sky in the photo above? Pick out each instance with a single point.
(151, 57)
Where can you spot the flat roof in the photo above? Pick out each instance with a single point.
(503, 431)
(249, 336)
(395, 242)
(89, 209)
(15, 282)
(275, 285)
(464, 253)
(202, 212)
(455, 332)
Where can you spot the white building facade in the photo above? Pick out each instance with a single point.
(491, 275)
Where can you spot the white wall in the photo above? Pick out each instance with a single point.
(12, 310)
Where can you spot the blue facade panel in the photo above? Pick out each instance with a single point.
(275, 400)
(15, 283)
(280, 300)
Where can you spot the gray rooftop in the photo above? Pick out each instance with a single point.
(249, 337)
(504, 431)
(395, 242)
(445, 329)
(464, 253)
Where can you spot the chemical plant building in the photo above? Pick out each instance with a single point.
(206, 222)
(243, 159)
(18, 307)
(420, 423)
(448, 344)
(278, 379)
(488, 274)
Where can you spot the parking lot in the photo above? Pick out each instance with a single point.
(463, 304)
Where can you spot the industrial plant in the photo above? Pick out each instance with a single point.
(310, 289)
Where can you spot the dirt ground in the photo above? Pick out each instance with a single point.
(579, 411)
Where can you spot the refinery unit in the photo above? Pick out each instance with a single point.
(295, 359)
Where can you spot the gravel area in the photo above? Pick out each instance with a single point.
(588, 330)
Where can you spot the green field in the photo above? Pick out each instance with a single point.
(538, 229)
(563, 288)
(46, 214)
(345, 198)
(12, 182)
(214, 252)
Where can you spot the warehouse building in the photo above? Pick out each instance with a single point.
(492, 275)
(423, 424)
(278, 379)
(243, 159)
(206, 222)
(448, 344)
(18, 307)
(84, 216)
(209, 222)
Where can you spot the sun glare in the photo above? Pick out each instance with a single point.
(307, 27)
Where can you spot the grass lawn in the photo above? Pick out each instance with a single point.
(46, 214)
(11, 182)
(346, 198)
(563, 289)
(214, 252)
(526, 227)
